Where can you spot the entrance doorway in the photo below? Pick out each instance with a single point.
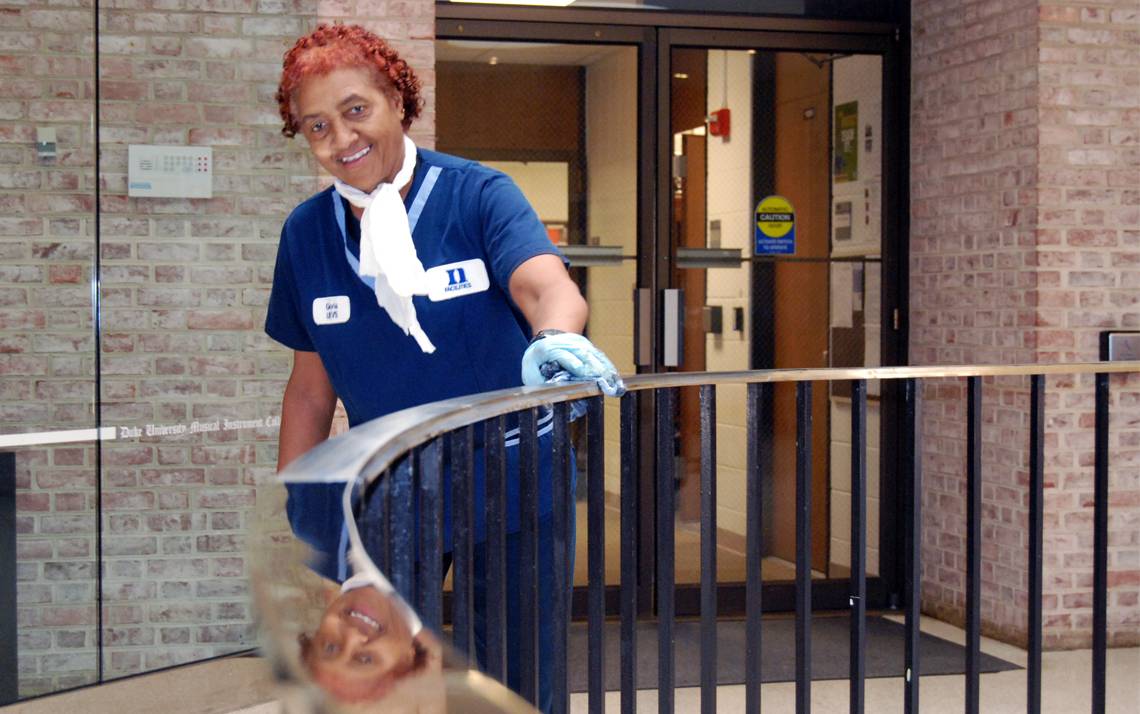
(649, 156)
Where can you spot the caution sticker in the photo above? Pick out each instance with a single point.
(775, 227)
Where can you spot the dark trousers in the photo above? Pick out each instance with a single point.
(546, 623)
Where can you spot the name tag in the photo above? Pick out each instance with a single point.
(332, 310)
(457, 279)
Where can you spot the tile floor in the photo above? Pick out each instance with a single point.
(245, 684)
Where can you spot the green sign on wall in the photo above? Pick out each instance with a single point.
(846, 145)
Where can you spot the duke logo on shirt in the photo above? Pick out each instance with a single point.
(457, 279)
(332, 310)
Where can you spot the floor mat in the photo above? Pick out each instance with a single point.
(830, 645)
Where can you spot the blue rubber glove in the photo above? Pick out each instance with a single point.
(554, 351)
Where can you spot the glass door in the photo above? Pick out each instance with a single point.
(775, 239)
(561, 118)
(649, 153)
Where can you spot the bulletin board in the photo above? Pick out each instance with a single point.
(856, 156)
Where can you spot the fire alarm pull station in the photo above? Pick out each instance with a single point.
(719, 123)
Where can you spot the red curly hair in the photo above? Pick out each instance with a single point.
(331, 47)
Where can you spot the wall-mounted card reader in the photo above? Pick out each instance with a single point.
(170, 171)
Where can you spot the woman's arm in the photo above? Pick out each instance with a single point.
(550, 300)
(306, 408)
(547, 296)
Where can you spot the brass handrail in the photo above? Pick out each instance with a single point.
(368, 449)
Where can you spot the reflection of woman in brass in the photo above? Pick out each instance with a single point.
(365, 643)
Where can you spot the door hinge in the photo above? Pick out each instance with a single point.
(897, 320)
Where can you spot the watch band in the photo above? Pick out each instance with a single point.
(545, 333)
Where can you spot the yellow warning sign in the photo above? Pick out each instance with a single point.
(775, 226)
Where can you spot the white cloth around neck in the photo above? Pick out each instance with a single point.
(387, 253)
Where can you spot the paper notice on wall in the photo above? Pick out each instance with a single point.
(842, 295)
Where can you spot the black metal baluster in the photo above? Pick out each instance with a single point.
(665, 549)
(373, 521)
(629, 471)
(9, 625)
(401, 544)
(596, 544)
(495, 664)
(1036, 530)
(430, 587)
(858, 544)
(973, 541)
(912, 574)
(528, 553)
(562, 503)
(462, 527)
(803, 547)
(759, 397)
(708, 549)
(384, 496)
(1100, 547)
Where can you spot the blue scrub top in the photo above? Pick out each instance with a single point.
(467, 220)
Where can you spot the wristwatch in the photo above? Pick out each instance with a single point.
(545, 333)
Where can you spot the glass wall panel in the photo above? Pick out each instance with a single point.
(144, 181)
(48, 366)
(196, 181)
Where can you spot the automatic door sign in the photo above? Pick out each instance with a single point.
(775, 227)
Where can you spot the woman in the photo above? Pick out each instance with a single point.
(417, 277)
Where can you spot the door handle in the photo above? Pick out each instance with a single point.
(642, 324)
(672, 326)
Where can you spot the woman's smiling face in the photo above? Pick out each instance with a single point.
(361, 647)
(353, 125)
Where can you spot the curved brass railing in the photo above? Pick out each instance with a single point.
(366, 450)
(357, 458)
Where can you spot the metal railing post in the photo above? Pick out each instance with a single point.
(858, 544)
(803, 547)
(403, 528)
(973, 541)
(912, 575)
(1100, 546)
(758, 400)
(629, 497)
(596, 555)
(665, 549)
(429, 589)
(1036, 531)
(562, 503)
(462, 533)
(494, 433)
(708, 549)
(9, 672)
(528, 554)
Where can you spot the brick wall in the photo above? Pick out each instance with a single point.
(183, 289)
(1088, 272)
(1024, 149)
